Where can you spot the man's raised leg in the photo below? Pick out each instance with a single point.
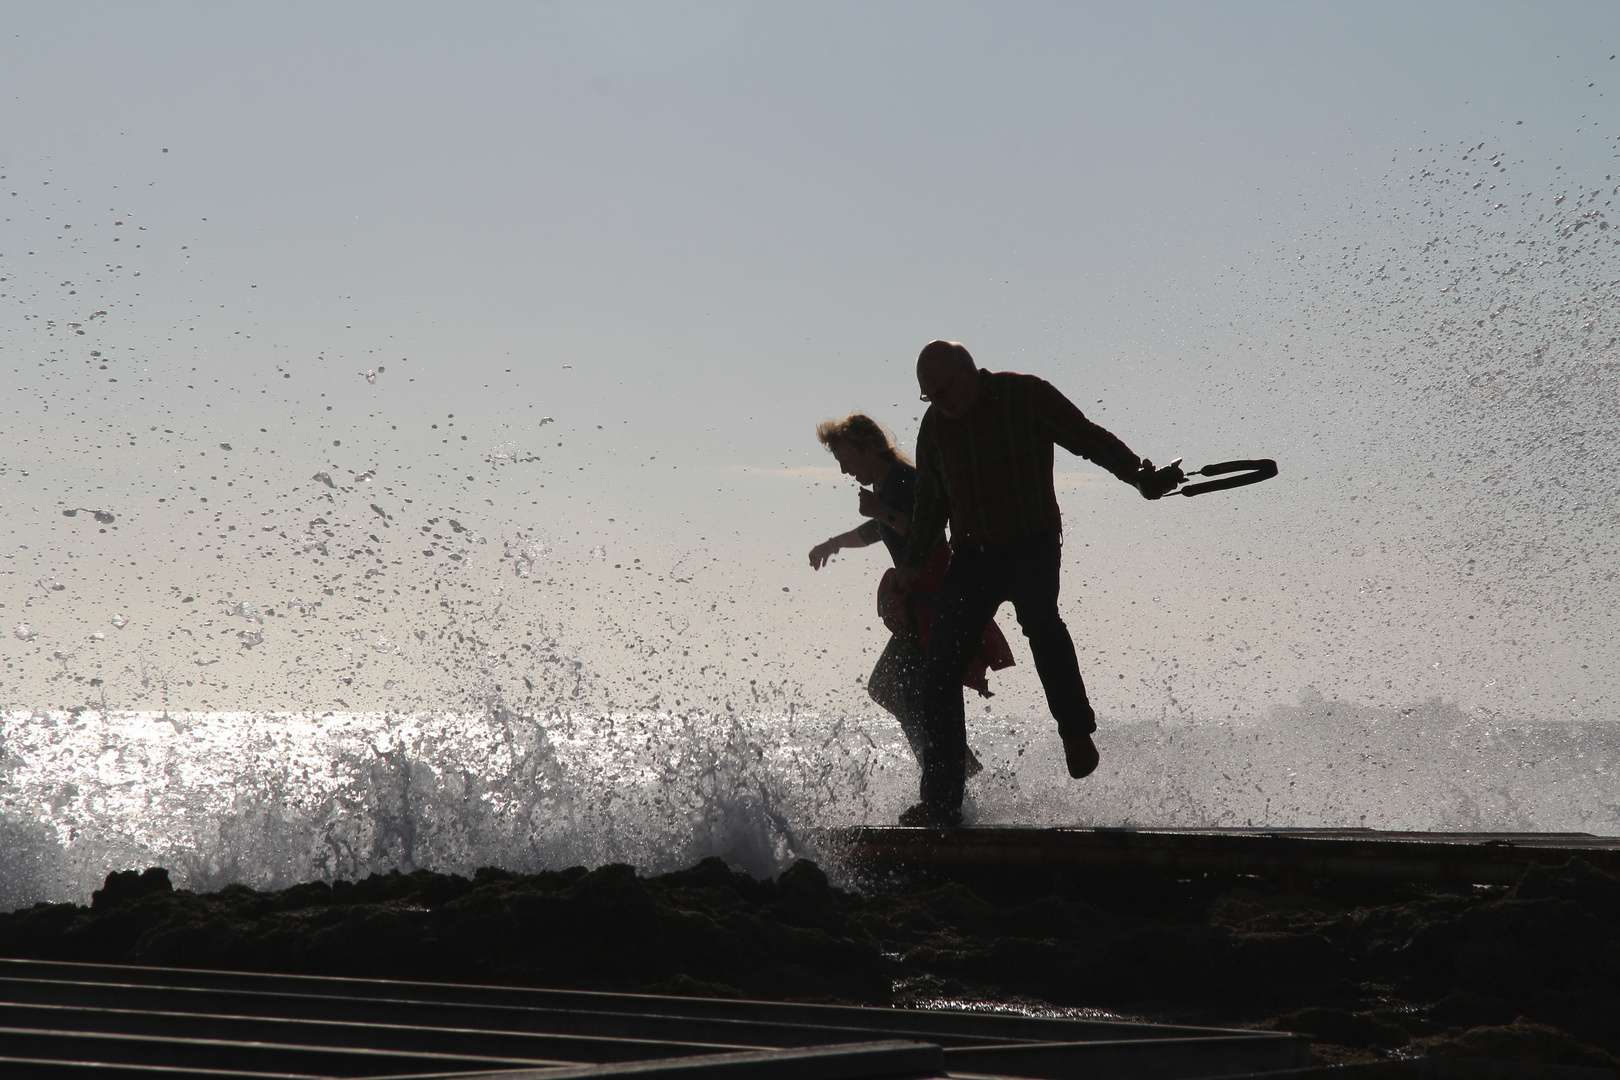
(1033, 585)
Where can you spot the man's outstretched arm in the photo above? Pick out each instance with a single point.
(1068, 427)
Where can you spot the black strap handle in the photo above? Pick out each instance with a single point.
(1249, 471)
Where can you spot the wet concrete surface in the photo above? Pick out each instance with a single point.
(1527, 972)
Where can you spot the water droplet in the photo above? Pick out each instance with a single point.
(25, 632)
(529, 552)
(242, 608)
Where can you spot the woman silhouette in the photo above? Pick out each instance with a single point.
(865, 451)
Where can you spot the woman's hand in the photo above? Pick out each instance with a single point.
(821, 553)
(828, 548)
(889, 516)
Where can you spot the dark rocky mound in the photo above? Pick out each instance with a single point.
(1530, 973)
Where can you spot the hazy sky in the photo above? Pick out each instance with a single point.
(687, 233)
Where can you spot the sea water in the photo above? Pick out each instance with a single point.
(271, 800)
(270, 642)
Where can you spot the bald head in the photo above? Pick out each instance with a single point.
(943, 358)
(947, 377)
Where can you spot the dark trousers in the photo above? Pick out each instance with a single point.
(976, 583)
(898, 683)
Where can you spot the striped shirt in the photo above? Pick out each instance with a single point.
(990, 472)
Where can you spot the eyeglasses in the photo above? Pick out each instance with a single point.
(943, 391)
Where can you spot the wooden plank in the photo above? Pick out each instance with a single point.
(1461, 858)
(894, 1059)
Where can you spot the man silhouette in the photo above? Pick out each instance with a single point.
(984, 462)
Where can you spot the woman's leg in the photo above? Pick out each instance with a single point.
(896, 685)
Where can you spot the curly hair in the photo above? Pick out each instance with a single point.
(864, 434)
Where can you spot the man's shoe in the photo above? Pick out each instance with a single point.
(1081, 755)
(929, 816)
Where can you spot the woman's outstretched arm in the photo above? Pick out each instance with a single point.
(828, 548)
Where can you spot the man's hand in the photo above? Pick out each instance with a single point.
(1157, 483)
(870, 507)
(821, 553)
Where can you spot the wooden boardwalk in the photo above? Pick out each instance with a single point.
(1457, 858)
(103, 1022)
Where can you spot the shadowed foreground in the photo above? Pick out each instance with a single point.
(1526, 973)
